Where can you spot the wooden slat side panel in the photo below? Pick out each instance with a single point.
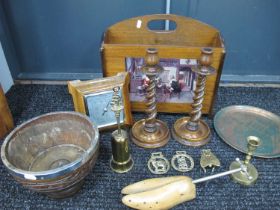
(6, 118)
(114, 56)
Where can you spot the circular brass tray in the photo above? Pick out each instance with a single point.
(235, 123)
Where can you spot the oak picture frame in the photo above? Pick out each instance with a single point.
(94, 96)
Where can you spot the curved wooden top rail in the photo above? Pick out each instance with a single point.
(188, 32)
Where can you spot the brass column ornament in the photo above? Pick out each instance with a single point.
(150, 132)
(250, 175)
(192, 131)
(121, 160)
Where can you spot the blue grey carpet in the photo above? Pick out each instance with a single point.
(102, 187)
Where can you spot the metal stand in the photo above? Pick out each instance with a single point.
(192, 131)
(150, 132)
(242, 172)
(251, 175)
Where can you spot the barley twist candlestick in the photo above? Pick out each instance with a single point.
(151, 109)
(150, 132)
(193, 131)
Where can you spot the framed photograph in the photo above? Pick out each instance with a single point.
(93, 98)
(175, 84)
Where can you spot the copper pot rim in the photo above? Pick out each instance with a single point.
(49, 174)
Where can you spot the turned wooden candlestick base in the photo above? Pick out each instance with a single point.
(198, 137)
(146, 139)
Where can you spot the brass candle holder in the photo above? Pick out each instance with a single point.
(192, 131)
(250, 175)
(150, 132)
(121, 160)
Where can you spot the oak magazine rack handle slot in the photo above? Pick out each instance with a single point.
(148, 20)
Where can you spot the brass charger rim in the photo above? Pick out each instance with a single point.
(197, 142)
(162, 140)
(248, 109)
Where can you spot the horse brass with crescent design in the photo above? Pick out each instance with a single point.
(158, 164)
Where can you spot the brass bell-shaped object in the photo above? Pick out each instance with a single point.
(121, 160)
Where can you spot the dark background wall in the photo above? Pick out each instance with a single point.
(60, 39)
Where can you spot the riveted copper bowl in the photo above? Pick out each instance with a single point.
(52, 153)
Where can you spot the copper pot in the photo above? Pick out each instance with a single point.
(52, 153)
